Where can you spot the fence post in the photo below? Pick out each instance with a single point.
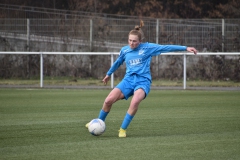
(223, 34)
(112, 76)
(41, 69)
(157, 34)
(28, 35)
(28, 46)
(91, 34)
(184, 71)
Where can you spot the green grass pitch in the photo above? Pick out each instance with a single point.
(49, 124)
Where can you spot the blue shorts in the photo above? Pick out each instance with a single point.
(132, 83)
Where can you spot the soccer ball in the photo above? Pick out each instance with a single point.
(96, 127)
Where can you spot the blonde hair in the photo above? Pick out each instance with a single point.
(138, 31)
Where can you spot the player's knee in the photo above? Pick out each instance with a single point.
(135, 101)
(108, 101)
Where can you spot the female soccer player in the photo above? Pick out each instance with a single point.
(137, 80)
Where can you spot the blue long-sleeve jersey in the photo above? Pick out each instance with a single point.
(138, 60)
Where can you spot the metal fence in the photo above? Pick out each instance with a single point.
(31, 29)
(111, 55)
(106, 32)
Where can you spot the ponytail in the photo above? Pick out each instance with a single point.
(138, 31)
(138, 28)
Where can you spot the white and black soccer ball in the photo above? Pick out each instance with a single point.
(96, 127)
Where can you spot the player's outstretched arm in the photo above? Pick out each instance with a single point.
(192, 49)
(106, 79)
